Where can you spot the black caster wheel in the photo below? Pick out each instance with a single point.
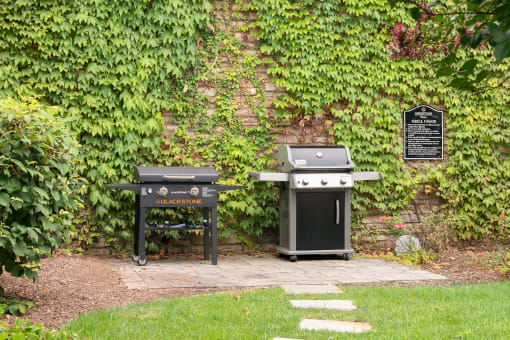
(134, 258)
(347, 256)
(142, 261)
(293, 258)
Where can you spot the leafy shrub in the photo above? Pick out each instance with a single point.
(37, 184)
(25, 330)
(437, 228)
(14, 306)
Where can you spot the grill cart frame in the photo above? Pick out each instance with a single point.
(175, 187)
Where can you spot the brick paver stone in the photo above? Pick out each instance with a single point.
(335, 325)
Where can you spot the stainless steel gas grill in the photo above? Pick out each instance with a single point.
(170, 187)
(315, 199)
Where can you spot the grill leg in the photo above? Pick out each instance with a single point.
(206, 233)
(137, 225)
(141, 237)
(214, 235)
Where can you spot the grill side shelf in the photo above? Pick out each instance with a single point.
(270, 176)
(132, 187)
(225, 187)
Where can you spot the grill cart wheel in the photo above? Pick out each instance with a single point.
(347, 256)
(293, 258)
(134, 258)
(142, 261)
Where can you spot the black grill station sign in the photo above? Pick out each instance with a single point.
(423, 133)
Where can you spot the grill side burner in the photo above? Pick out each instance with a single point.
(315, 199)
(172, 187)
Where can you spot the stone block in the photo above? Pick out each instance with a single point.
(406, 244)
(250, 122)
(335, 325)
(371, 220)
(239, 36)
(269, 86)
(343, 305)
(410, 218)
(210, 92)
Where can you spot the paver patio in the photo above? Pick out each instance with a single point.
(248, 271)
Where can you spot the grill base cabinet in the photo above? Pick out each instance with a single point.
(314, 222)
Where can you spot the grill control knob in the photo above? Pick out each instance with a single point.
(324, 181)
(163, 191)
(305, 182)
(343, 181)
(149, 191)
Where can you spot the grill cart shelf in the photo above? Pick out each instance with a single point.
(173, 187)
(315, 199)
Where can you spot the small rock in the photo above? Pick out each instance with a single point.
(406, 244)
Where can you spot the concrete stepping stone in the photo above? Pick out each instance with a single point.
(335, 326)
(311, 289)
(345, 305)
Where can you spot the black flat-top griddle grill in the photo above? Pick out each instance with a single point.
(171, 187)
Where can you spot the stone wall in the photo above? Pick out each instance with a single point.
(302, 131)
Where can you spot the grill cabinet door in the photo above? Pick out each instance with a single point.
(320, 220)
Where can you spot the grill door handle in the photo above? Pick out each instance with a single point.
(173, 177)
(337, 205)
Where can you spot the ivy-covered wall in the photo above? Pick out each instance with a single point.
(222, 82)
(333, 60)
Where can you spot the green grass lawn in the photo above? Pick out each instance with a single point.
(458, 312)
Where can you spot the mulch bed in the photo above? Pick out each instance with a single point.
(71, 285)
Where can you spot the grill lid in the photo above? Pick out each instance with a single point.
(314, 158)
(158, 174)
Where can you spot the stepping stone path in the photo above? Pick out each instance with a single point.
(311, 289)
(344, 305)
(329, 325)
(335, 325)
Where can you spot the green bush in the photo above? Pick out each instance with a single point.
(25, 330)
(37, 185)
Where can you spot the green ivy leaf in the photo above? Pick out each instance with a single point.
(4, 199)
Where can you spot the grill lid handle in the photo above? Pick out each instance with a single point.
(178, 178)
